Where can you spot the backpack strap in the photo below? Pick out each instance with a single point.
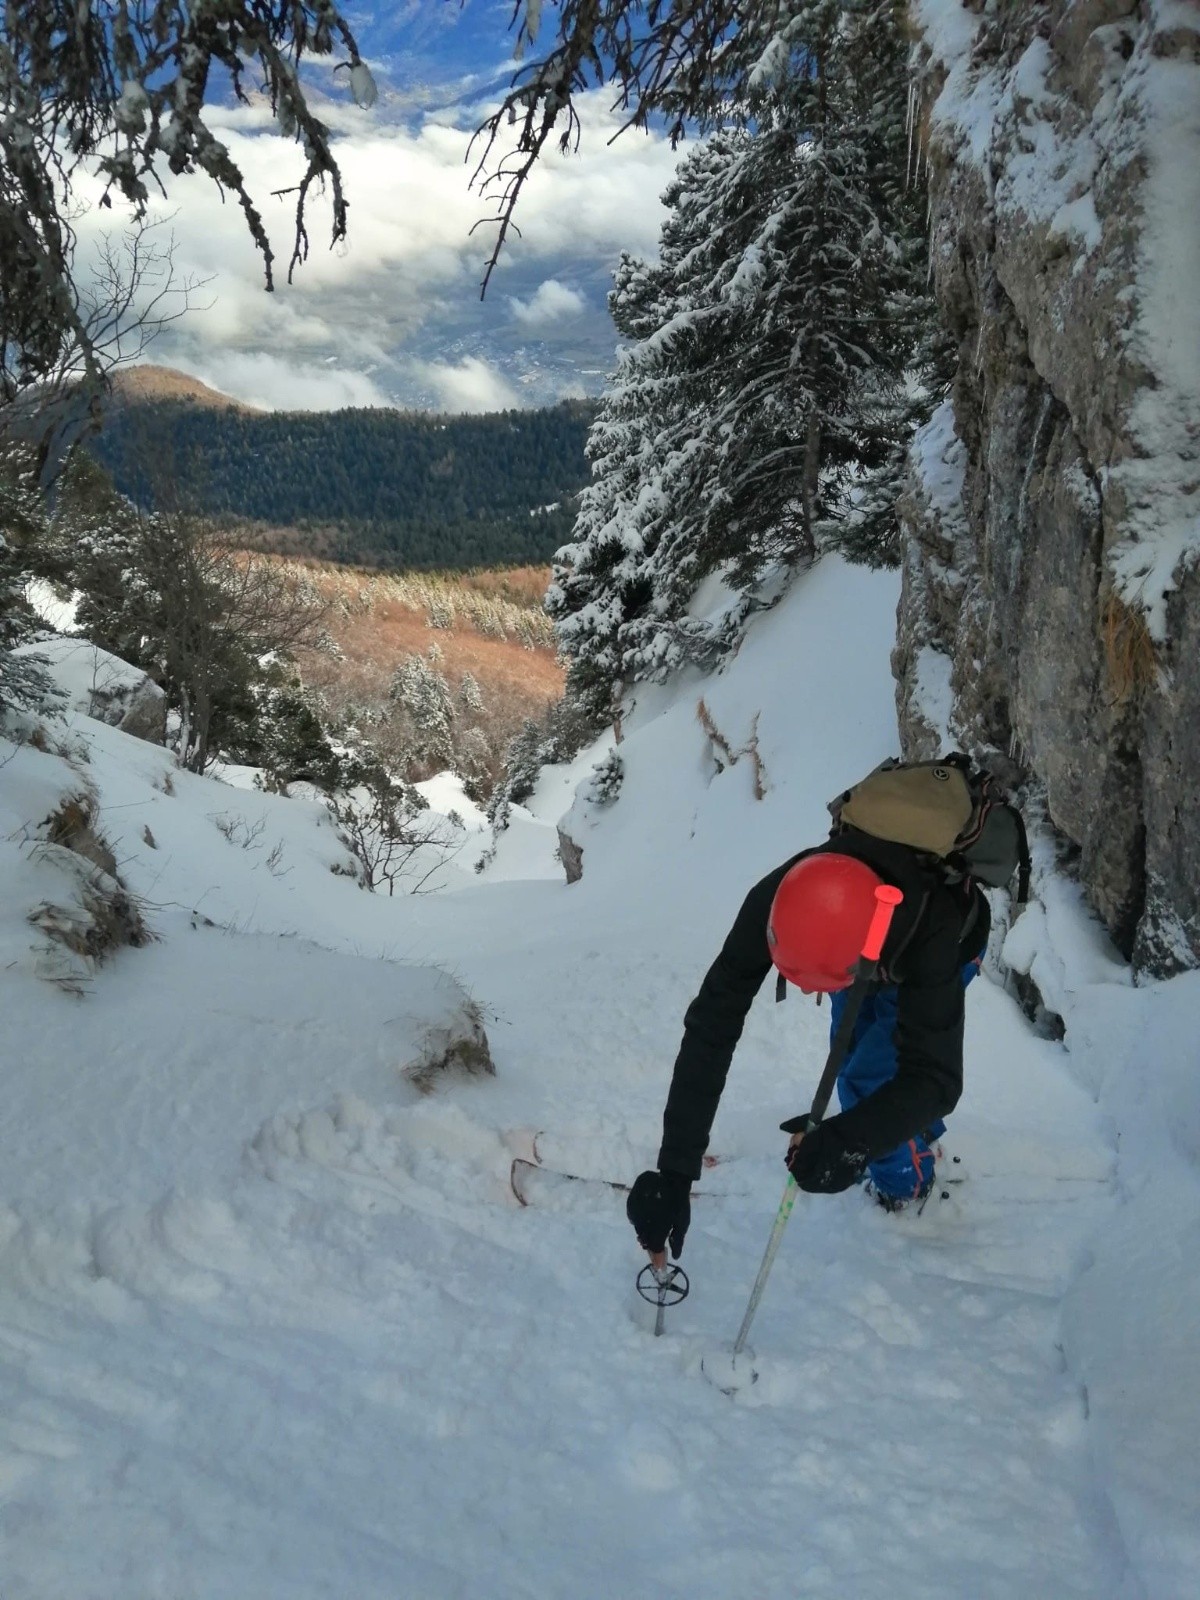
(888, 973)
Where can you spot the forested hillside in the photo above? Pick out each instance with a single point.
(374, 487)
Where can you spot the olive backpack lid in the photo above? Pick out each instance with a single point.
(948, 810)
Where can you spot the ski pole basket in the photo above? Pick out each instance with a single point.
(663, 1288)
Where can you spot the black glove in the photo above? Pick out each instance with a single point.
(660, 1207)
(822, 1163)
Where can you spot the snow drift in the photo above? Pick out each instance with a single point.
(272, 1324)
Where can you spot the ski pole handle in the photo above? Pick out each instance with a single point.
(887, 898)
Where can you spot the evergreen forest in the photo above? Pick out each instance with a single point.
(371, 487)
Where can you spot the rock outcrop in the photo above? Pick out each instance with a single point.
(100, 685)
(1050, 611)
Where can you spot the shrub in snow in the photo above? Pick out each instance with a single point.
(458, 1049)
(98, 914)
(604, 784)
(387, 826)
(724, 755)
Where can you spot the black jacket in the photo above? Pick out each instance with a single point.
(936, 930)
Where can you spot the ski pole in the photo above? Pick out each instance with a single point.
(662, 1286)
(790, 1192)
(887, 898)
(663, 1280)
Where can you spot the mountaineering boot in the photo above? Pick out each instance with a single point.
(901, 1202)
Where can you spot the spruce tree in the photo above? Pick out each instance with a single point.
(424, 701)
(759, 412)
(628, 569)
(470, 696)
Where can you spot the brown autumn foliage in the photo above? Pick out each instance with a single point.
(487, 624)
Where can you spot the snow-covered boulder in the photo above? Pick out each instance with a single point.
(103, 686)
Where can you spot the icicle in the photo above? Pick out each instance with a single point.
(910, 125)
(1023, 497)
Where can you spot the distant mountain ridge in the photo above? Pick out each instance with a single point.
(148, 383)
(371, 486)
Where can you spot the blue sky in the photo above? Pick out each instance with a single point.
(394, 315)
(437, 45)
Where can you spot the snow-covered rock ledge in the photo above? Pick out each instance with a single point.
(98, 684)
(1131, 1315)
(1063, 143)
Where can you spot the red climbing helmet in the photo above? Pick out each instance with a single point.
(819, 920)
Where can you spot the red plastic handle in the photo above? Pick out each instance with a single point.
(887, 898)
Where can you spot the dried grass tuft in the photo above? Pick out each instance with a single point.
(103, 918)
(460, 1049)
(73, 827)
(101, 915)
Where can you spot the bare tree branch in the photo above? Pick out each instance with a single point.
(119, 88)
(673, 59)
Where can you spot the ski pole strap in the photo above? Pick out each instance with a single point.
(887, 898)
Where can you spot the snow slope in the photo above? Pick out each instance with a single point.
(272, 1324)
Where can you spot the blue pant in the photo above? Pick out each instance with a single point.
(871, 1061)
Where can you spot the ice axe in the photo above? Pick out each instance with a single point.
(732, 1367)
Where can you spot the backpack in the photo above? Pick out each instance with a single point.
(951, 813)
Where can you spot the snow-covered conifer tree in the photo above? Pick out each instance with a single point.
(759, 411)
(425, 701)
(23, 681)
(470, 697)
(627, 568)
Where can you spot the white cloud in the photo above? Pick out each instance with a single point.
(552, 302)
(410, 259)
(277, 383)
(468, 385)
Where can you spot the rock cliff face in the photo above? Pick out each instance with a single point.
(1051, 598)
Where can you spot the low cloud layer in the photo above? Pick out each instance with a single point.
(552, 302)
(467, 385)
(282, 383)
(392, 316)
